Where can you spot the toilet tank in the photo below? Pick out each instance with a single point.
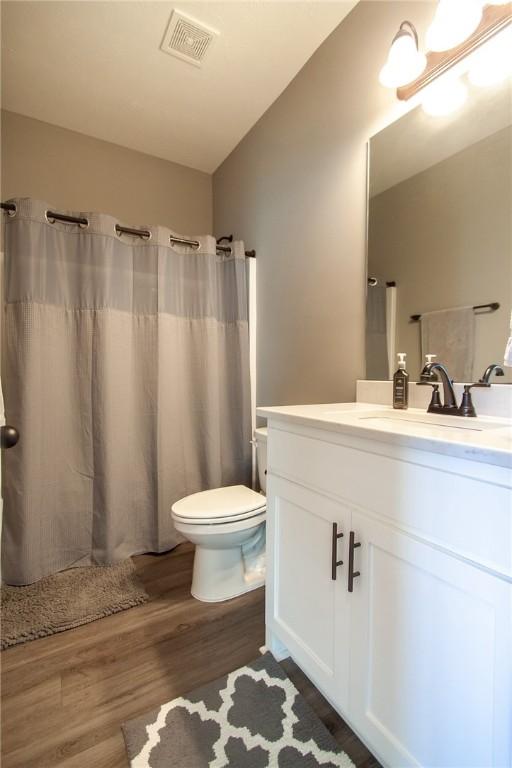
(260, 438)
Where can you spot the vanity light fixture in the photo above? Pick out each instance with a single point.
(491, 63)
(466, 36)
(454, 22)
(405, 62)
(486, 68)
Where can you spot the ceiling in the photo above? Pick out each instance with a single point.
(97, 68)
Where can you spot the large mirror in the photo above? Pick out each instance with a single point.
(440, 239)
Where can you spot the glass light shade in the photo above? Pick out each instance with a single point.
(491, 63)
(454, 22)
(404, 64)
(444, 96)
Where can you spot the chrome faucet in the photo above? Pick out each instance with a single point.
(497, 369)
(428, 376)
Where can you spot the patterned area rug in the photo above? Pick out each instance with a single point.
(68, 599)
(252, 718)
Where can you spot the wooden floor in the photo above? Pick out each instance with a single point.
(64, 697)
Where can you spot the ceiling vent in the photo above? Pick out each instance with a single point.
(188, 39)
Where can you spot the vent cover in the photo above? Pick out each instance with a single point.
(187, 39)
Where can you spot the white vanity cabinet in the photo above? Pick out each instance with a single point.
(430, 653)
(308, 607)
(417, 658)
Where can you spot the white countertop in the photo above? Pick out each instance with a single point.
(484, 439)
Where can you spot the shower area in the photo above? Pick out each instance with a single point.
(381, 309)
(126, 371)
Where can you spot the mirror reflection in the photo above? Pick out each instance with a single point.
(440, 239)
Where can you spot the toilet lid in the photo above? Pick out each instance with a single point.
(233, 502)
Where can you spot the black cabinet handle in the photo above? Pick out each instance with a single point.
(352, 544)
(9, 436)
(334, 551)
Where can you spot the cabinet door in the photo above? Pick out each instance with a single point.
(306, 608)
(430, 673)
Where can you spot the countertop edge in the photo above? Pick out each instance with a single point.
(481, 454)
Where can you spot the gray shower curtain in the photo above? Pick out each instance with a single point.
(126, 372)
(377, 367)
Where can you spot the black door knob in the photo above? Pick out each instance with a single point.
(9, 436)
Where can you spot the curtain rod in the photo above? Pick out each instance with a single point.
(143, 233)
(491, 307)
(372, 282)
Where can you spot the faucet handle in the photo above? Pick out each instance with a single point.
(435, 401)
(466, 407)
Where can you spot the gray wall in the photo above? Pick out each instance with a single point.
(76, 172)
(461, 261)
(295, 189)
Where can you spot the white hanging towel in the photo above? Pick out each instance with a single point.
(253, 554)
(507, 358)
(450, 334)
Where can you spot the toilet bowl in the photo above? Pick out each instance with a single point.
(219, 522)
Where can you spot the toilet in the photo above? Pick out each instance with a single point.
(218, 522)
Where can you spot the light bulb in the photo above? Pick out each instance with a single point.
(454, 22)
(444, 96)
(491, 63)
(404, 63)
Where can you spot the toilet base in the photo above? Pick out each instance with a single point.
(247, 588)
(219, 575)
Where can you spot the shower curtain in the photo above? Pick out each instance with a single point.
(126, 372)
(376, 334)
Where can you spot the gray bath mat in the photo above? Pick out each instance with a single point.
(252, 718)
(66, 600)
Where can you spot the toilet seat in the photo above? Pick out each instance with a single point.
(220, 505)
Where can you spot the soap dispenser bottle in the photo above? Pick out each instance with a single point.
(401, 385)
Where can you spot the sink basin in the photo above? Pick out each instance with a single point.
(342, 408)
(475, 424)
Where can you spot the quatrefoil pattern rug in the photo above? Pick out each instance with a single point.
(252, 718)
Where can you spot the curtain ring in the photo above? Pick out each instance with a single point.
(144, 235)
(65, 220)
(12, 214)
